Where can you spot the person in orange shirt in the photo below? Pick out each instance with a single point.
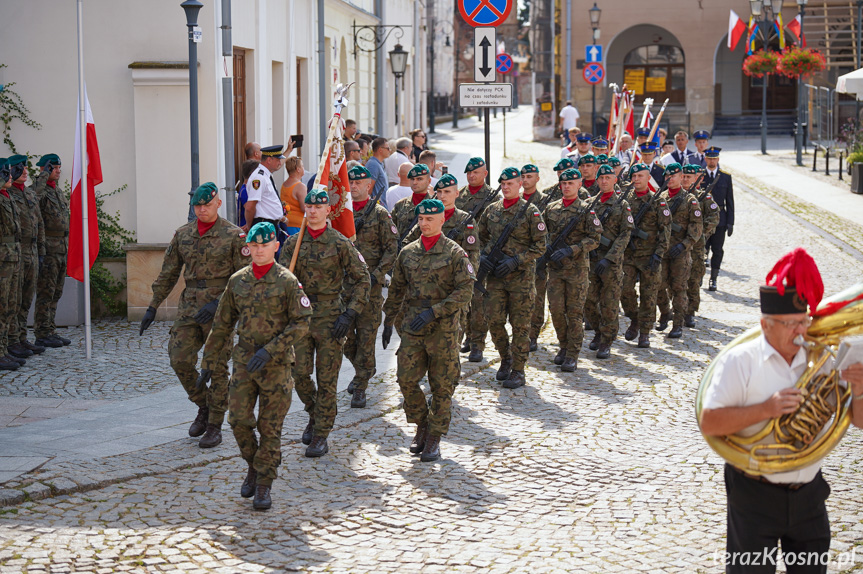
(293, 194)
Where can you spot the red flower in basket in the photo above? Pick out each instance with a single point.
(761, 63)
(798, 62)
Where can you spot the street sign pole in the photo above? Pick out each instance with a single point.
(487, 148)
(593, 110)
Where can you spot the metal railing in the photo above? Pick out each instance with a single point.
(819, 111)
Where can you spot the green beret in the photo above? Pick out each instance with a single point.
(429, 207)
(3, 162)
(602, 159)
(637, 168)
(317, 197)
(570, 174)
(474, 163)
(508, 174)
(605, 169)
(418, 170)
(446, 180)
(262, 232)
(529, 168)
(51, 158)
(359, 172)
(563, 164)
(204, 194)
(672, 168)
(589, 158)
(614, 161)
(691, 168)
(16, 159)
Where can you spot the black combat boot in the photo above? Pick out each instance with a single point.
(318, 447)
(50, 341)
(465, 347)
(569, 365)
(676, 331)
(505, 368)
(632, 331)
(663, 322)
(310, 431)
(199, 425)
(560, 357)
(516, 379)
(604, 351)
(533, 345)
(431, 450)
(8, 364)
(419, 441)
(644, 340)
(352, 386)
(19, 350)
(358, 401)
(250, 483)
(689, 321)
(475, 354)
(262, 499)
(212, 437)
(714, 273)
(66, 342)
(17, 360)
(594, 345)
(35, 349)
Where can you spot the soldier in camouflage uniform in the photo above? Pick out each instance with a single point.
(207, 251)
(267, 304)
(378, 242)
(686, 229)
(432, 281)
(475, 192)
(642, 259)
(588, 167)
(568, 267)
(336, 280)
(511, 284)
(10, 253)
(403, 210)
(529, 181)
(603, 296)
(32, 253)
(52, 273)
(710, 219)
(554, 191)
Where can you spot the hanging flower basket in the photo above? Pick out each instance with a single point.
(760, 63)
(797, 62)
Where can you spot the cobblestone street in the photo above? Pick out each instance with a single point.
(602, 470)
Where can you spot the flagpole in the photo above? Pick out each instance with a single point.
(647, 103)
(85, 228)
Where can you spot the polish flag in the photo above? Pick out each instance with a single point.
(75, 260)
(795, 27)
(335, 175)
(736, 28)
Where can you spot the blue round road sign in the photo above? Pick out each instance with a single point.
(503, 63)
(593, 73)
(485, 12)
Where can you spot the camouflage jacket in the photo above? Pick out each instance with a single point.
(10, 231)
(554, 191)
(527, 240)
(591, 190)
(378, 242)
(656, 224)
(583, 238)
(207, 262)
(686, 226)
(332, 272)
(403, 213)
(271, 313)
(55, 214)
(440, 279)
(467, 236)
(466, 200)
(616, 229)
(30, 220)
(709, 216)
(538, 198)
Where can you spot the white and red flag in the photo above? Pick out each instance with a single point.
(796, 28)
(736, 29)
(75, 267)
(335, 177)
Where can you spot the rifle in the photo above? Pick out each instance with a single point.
(560, 239)
(709, 188)
(407, 232)
(360, 221)
(603, 240)
(495, 255)
(636, 231)
(474, 213)
(678, 201)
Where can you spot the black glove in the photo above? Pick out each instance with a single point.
(506, 266)
(373, 279)
(387, 335)
(561, 254)
(343, 323)
(602, 266)
(675, 251)
(485, 264)
(207, 312)
(16, 171)
(149, 316)
(203, 379)
(257, 362)
(5, 175)
(422, 320)
(730, 230)
(654, 263)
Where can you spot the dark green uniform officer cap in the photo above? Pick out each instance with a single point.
(418, 170)
(637, 168)
(589, 158)
(446, 180)
(204, 194)
(474, 163)
(317, 197)
(691, 168)
(563, 164)
(570, 174)
(605, 169)
(508, 174)
(673, 168)
(359, 172)
(529, 168)
(51, 158)
(262, 232)
(429, 207)
(16, 159)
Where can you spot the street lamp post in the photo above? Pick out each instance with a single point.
(765, 13)
(431, 103)
(798, 131)
(192, 7)
(398, 64)
(594, 14)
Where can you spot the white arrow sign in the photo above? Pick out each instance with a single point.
(593, 53)
(485, 47)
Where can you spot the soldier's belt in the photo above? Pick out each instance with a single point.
(249, 346)
(427, 303)
(207, 283)
(8, 239)
(328, 297)
(56, 233)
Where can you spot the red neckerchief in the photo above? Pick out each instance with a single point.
(568, 202)
(588, 182)
(315, 233)
(205, 227)
(4, 192)
(52, 184)
(673, 192)
(261, 270)
(606, 196)
(507, 203)
(448, 213)
(358, 205)
(526, 197)
(18, 186)
(416, 198)
(642, 193)
(473, 190)
(429, 242)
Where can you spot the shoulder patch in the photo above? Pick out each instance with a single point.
(304, 301)
(694, 202)
(242, 234)
(713, 206)
(360, 255)
(697, 213)
(471, 239)
(260, 172)
(470, 268)
(393, 227)
(596, 221)
(540, 226)
(662, 203)
(245, 251)
(256, 184)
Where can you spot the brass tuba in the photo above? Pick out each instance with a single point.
(807, 435)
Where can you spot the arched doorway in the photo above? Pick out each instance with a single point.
(650, 61)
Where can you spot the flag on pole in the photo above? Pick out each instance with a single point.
(335, 176)
(75, 260)
(795, 27)
(777, 24)
(750, 39)
(736, 28)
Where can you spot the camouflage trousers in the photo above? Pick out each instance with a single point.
(640, 306)
(675, 277)
(27, 272)
(514, 301)
(360, 343)
(8, 288)
(434, 352)
(477, 320)
(567, 292)
(603, 301)
(271, 388)
(538, 316)
(49, 289)
(320, 352)
(186, 340)
(696, 277)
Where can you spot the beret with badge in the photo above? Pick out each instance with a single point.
(691, 168)
(418, 170)
(474, 163)
(570, 174)
(672, 168)
(359, 172)
(429, 207)
(563, 164)
(638, 168)
(16, 159)
(204, 194)
(262, 232)
(529, 168)
(51, 158)
(604, 169)
(317, 197)
(586, 159)
(446, 180)
(614, 161)
(508, 174)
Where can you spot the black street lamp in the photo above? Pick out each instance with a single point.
(192, 7)
(398, 64)
(798, 130)
(594, 14)
(765, 13)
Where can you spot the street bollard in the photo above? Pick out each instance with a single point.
(826, 162)
(815, 159)
(841, 167)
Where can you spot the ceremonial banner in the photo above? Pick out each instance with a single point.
(736, 28)
(75, 266)
(336, 177)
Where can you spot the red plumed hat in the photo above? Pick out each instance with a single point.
(792, 284)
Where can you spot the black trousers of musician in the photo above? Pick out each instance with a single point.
(715, 243)
(762, 515)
